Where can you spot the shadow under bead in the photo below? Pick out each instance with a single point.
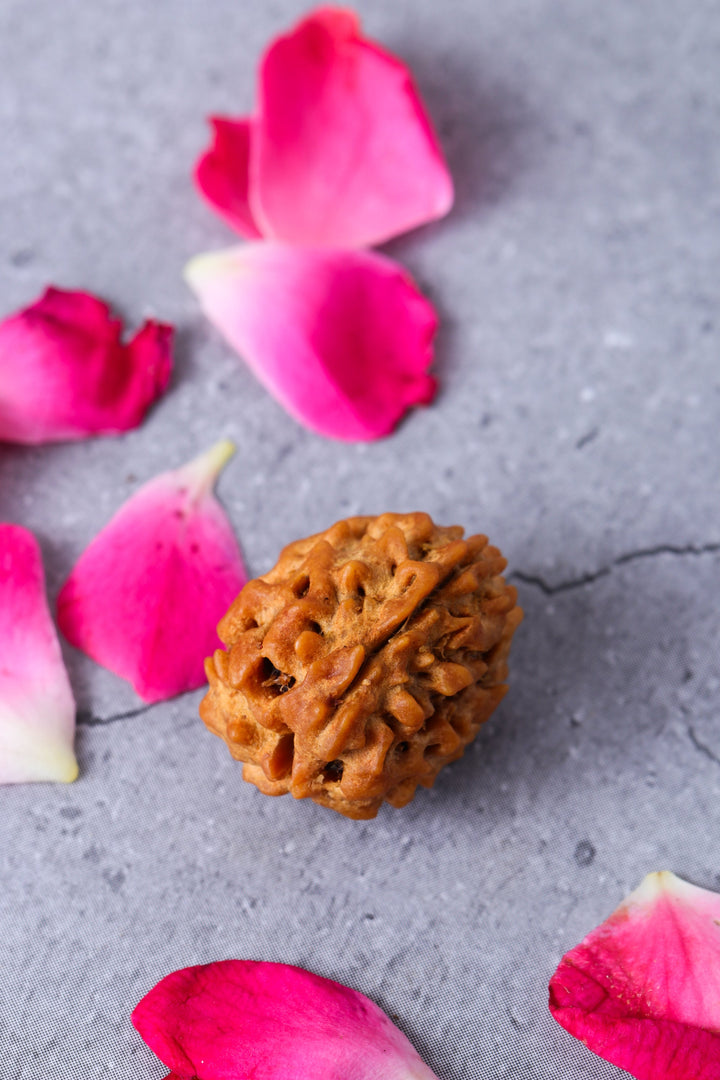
(364, 661)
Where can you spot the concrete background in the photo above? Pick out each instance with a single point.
(577, 424)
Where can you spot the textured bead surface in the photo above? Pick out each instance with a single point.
(363, 662)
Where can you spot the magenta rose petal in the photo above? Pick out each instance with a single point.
(221, 173)
(242, 1018)
(37, 708)
(343, 152)
(145, 597)
(66, 374)
(643, 989)
(342, 339)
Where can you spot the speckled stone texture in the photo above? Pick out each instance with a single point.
(577, 425)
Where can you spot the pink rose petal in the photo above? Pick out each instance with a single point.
(65, 374)
(643, 989)
(343, 152)
(343, 339)
(239, 1018)
(146, 595)
(221, 174)
(37, 708)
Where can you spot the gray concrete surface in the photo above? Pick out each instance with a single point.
(578, 425)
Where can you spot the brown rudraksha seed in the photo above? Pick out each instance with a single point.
(362, 663)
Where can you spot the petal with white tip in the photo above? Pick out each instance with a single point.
(37, 708)
(643, 989)
(145, 597)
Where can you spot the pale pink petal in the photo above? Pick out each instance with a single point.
(37, 709)
(145, 597)
(343, 339)
(241, 1018)
(221, 173)
(343, 152)
(643, 989)
(66, 374)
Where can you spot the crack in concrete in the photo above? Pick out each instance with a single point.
(88, 720)
(700, 746)
(587, 438)
(622, 560)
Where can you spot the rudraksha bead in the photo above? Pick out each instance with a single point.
(363, 662)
